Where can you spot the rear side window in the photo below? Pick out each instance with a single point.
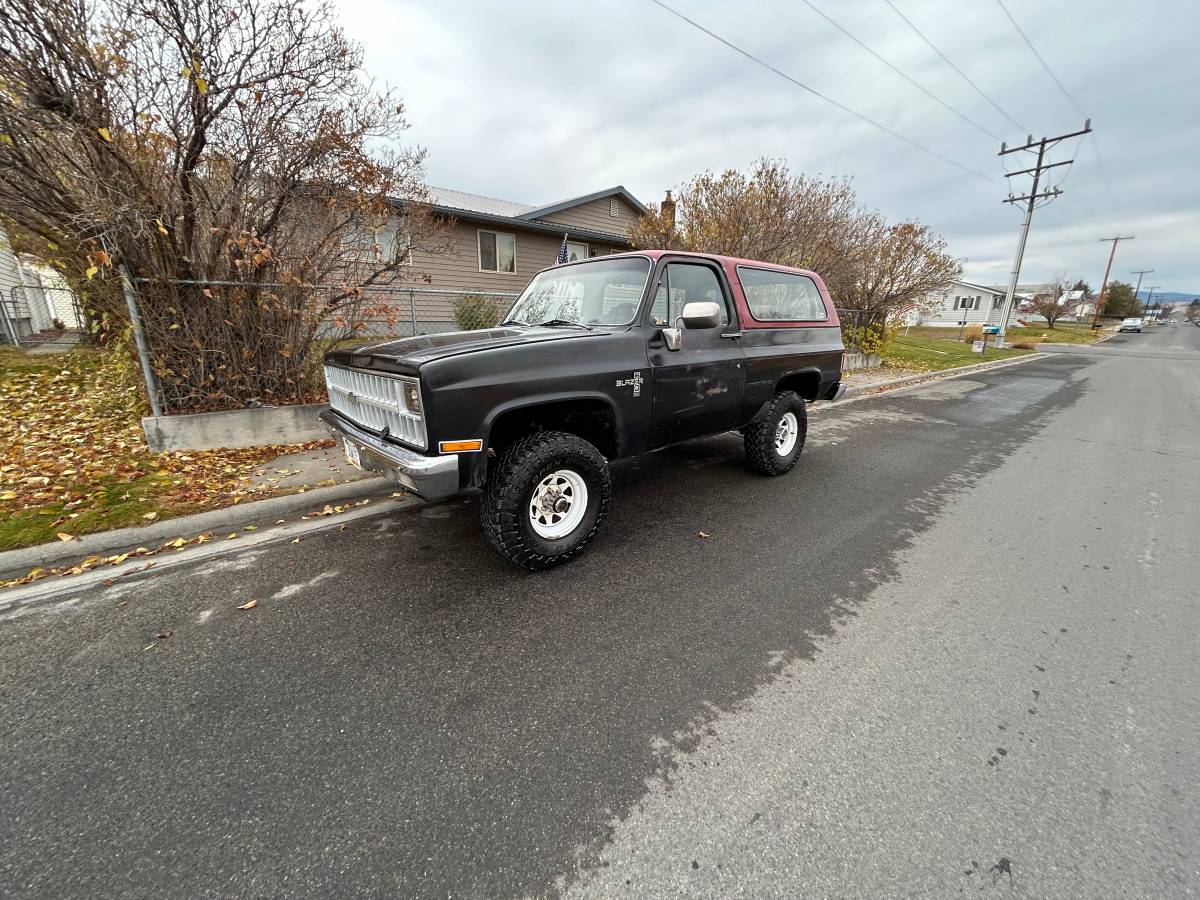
(781, 296)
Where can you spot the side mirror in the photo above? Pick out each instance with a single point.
(701, 314)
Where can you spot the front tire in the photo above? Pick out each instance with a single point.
(545, 498)
(774, 442)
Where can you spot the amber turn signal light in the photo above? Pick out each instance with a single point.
(460, 446)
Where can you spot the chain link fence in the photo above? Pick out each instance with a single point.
(426, 310)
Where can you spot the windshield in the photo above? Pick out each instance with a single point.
(598, 292)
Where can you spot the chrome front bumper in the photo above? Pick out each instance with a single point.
(431, 477)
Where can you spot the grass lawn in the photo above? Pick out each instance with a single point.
(1062, 333)
(73, 458)
(927, 354)
(925, 348)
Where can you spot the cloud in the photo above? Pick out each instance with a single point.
(535, 102)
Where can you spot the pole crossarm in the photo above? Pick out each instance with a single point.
(1065, 162)
(1030, 143)
(1044, 195)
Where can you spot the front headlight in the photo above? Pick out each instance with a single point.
(412, 397)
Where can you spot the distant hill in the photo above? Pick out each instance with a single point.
(1169, 296)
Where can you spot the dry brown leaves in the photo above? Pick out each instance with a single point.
(68, 435)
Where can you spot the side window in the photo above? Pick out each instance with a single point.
(781, 296)
(686, 283)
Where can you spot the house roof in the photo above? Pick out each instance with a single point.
(978, 287)
(464, 204)
(462, 201)
(618, 191)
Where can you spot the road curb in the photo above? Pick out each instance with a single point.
(1107, 337)
(20, 597)
(15, 563)
(881, 387)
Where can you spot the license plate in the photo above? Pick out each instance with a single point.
(352, 456)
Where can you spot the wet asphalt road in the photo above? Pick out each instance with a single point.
(955, 651)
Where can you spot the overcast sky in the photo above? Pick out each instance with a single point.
(538, 101)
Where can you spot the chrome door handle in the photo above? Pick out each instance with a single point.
(733, 335)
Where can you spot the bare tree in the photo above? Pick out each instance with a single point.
(775, 215)
(1055, 302)
(894, 267)
(230, 157)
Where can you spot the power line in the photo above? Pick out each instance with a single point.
(961, 73)
(818, 94)
(1045, 65)
(1070, 97)
(902, 74)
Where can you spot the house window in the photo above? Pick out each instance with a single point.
(497, 252)
(968, 303)
(996, 301)
(381, 244)
(613, 209)
(394, 243)
(576, 251)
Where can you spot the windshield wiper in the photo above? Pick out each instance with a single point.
(555, 323)
(514, 322)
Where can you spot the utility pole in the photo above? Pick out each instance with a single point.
(1139, 273)
(1030, 200)
(1104, 286)
(1146, 308)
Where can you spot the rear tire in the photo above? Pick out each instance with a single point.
(774, 442)
(545, 498)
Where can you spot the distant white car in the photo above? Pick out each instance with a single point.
(1131, 325)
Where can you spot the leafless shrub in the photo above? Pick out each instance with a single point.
(232, 158)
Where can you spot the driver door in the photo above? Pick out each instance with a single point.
(699, 388)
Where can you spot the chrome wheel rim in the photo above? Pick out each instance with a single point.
(558, 504)
(786, 433)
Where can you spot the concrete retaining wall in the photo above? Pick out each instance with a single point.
(235, 428)
(861, 361)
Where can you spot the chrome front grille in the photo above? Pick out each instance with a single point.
(378, 402)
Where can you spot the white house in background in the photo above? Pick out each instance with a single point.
(961, 302)
(14, 311)
(33, 297)
(50, 300)
(1072, 302)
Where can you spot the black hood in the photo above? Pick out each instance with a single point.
(407, 355)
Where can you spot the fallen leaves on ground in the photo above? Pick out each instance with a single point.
(705, 535)
(72, 447)
(249, 604)
(333, 509)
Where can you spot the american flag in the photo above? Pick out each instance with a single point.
(562, 252)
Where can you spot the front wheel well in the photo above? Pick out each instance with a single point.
(806, 384)
(589, 418)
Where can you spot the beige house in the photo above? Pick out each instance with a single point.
(498, 246)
